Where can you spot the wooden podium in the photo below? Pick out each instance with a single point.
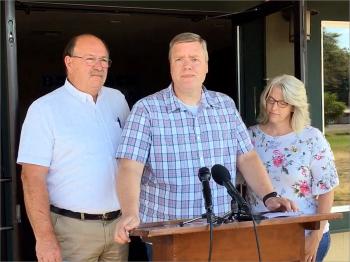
(280, 239)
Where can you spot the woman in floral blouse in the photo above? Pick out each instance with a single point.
(297, 156)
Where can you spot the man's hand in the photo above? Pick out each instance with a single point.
(124, 226)
(36, 198)
(280, 204)
(48, 250)
(311, 245)
(128, 190)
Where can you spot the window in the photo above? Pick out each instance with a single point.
(336, 58)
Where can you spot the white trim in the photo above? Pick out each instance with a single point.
(323, 24)
(338, 24)
(336, 209)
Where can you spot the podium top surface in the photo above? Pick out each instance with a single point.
(173, 227)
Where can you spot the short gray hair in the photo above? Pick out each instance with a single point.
(294, 93)
(188, 38)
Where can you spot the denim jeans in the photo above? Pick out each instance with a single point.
(149, 250)
(323, 247)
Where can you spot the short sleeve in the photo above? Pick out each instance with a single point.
(241, 133)
(136, 136)
(125, 110)
(323, 170)
(36, 141)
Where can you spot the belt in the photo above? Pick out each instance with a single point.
(83, 216)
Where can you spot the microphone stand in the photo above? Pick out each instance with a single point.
(238, 213)
(243, 213)
(212, 218)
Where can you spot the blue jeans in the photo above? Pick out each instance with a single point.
(323, 247)
(149, 250)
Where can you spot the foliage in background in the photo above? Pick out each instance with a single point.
(339, 140)
(336, 66)
(332, 107)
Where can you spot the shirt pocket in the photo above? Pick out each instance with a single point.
(114, 130)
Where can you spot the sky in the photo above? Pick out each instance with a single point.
(343, 40)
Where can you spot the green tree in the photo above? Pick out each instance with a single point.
(336, 66)
(333, 108)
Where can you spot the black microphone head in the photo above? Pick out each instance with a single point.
(204, 174)
(220, 174)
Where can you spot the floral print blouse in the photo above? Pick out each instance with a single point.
(300, 165)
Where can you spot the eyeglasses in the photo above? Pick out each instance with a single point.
(92, 60)
(282, 104)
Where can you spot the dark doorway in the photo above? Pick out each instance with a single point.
(138, 44)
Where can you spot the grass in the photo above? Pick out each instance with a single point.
(340, 144)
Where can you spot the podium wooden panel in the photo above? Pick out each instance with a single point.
(281, 239)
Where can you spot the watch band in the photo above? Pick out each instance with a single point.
(269, 195)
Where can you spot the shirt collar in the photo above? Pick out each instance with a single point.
(208, 100)
(82, 96)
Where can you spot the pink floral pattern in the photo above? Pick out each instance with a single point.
(300, 165)
(277, 158)
(301, 188)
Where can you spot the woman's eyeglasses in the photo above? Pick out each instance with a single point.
(282, 104)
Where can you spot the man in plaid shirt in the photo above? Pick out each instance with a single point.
(171, 134)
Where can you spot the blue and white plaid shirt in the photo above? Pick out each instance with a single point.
(173, 144)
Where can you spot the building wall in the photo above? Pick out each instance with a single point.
(328, 10)
(279, 51)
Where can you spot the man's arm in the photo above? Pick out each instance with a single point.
(325, 202)
(128, 189)
(254, 172)
(36, 200)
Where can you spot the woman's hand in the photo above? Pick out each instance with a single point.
(311, 245)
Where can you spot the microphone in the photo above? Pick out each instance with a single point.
(222, 176)
(204, 176)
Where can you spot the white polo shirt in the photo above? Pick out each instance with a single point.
(77, 139)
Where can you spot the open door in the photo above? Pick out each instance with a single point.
(251, 51)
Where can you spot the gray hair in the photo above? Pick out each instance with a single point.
(294, 93)
(188, 38)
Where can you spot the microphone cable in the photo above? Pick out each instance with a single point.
(222, 176)
(204, 176)
(210, 236)
(255, 231)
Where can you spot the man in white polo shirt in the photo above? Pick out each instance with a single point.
(67, 151)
